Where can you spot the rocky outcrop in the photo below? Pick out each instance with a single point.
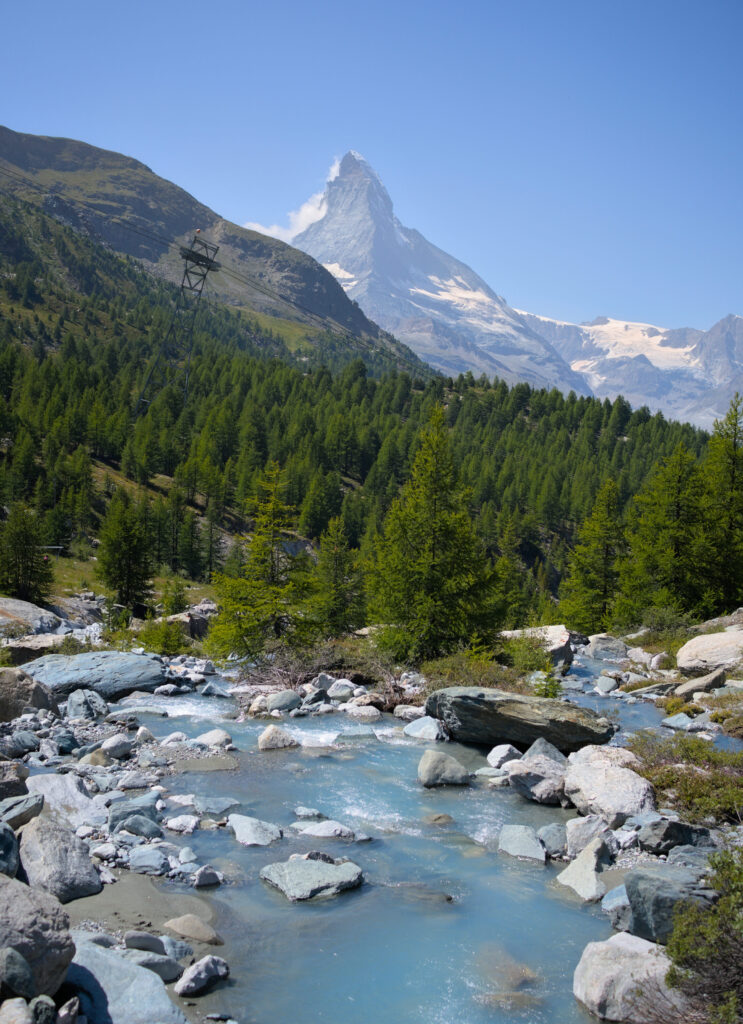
(66, 799)
(19, 691)
(304, 877)
(489, 717)
(35, 925)
(711, 651)
(597, 784)
(22, 616)
(55, 860)
(111, 674)
(654, 892)
(623, 979)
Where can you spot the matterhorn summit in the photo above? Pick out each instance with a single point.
(434, 303)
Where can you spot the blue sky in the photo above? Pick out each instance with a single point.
(584, 158)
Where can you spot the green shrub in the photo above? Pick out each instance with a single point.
(465, 669)
(706, 945)
(164, 638)
(174, 596)
(703, 782)
(548, 686)
(677, 705)
(524, 653)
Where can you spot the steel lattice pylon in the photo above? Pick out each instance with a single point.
(173, 359)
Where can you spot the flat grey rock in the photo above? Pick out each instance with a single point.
(437, 769)
(148, 860)
(426, 728)
(111, 674)
(163, 966)
(304, 878)
(252, 831)
(521, 841)
(16, 811)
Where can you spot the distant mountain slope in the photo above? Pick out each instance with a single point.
(137, 213)
(436, 304)
(686, 373)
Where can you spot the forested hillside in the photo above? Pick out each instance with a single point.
(78, 325)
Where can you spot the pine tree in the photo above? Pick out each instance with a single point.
(123, 553)
(260, 608)
(723, 471)
(25, 569)
(338, 604)
(430, 582)
(590, 586)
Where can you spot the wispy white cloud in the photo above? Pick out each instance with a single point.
(309, 212)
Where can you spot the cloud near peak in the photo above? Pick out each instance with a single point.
(309, 212)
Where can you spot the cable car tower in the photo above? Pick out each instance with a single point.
(172, 361)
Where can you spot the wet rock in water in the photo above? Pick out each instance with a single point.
(487, 717)
(582, 876)
(163, 966)
(521, 841)
(112, 989)
(111, 674)
(189, 926)
(206, 876)
(212, 690)
(123, 809)
(252, 831)
(18, 810)
(285, 700)
(140, 825)
(623, 979)
(612, 792)
(605, 685)
(327, 830)
(275, 738)
(364, 712)
(307, 876)
(215, 738)
(215, 805)
(603, 647)
(308, 813)
(553, 838)
(504, 752)
(408, 712)
(8, 851)
(202, 975)
(183, 823)
(18, 690)
(16, 976)
(54, 859)
(426, 728)
(259, 706)
(148, 860)
(436, 769)
(662, 835)
(34, 924)
(86, 704)
(67, 799)
(538, 778)
(616, 904)
(654, 892)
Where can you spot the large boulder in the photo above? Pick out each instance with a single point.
(111, 674)
(19, 691)
(436, 769)
(304, 877)
(711, 651)
(34, 923)
(610, 791)
(521, 841)
(86, 704)
(66, 799)
(252, 831)
(623, 979)
(284, 700)
(555, 640)
(654, 892)
(54, 859)
(489, 717)
(538, 778)
(114, 990)
(582, 875)
(22, 617)
(603, 647)
(701, 684)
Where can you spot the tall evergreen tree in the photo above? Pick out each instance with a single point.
(723, 470)
(25, 569)
(430, 581)
(338, 603)
(124, 551)
(591, 582)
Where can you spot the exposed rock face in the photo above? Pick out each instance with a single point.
(54, 859)
(22, 615)
(539, 779)
(654, 892)
(623, 979)
(311, 875)
(436, 769)
(19, 691)
(35, 924)
(117, 991)
(711, 651)
(489, 717)
(111, 674)
(612, 792)
(66, 798)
